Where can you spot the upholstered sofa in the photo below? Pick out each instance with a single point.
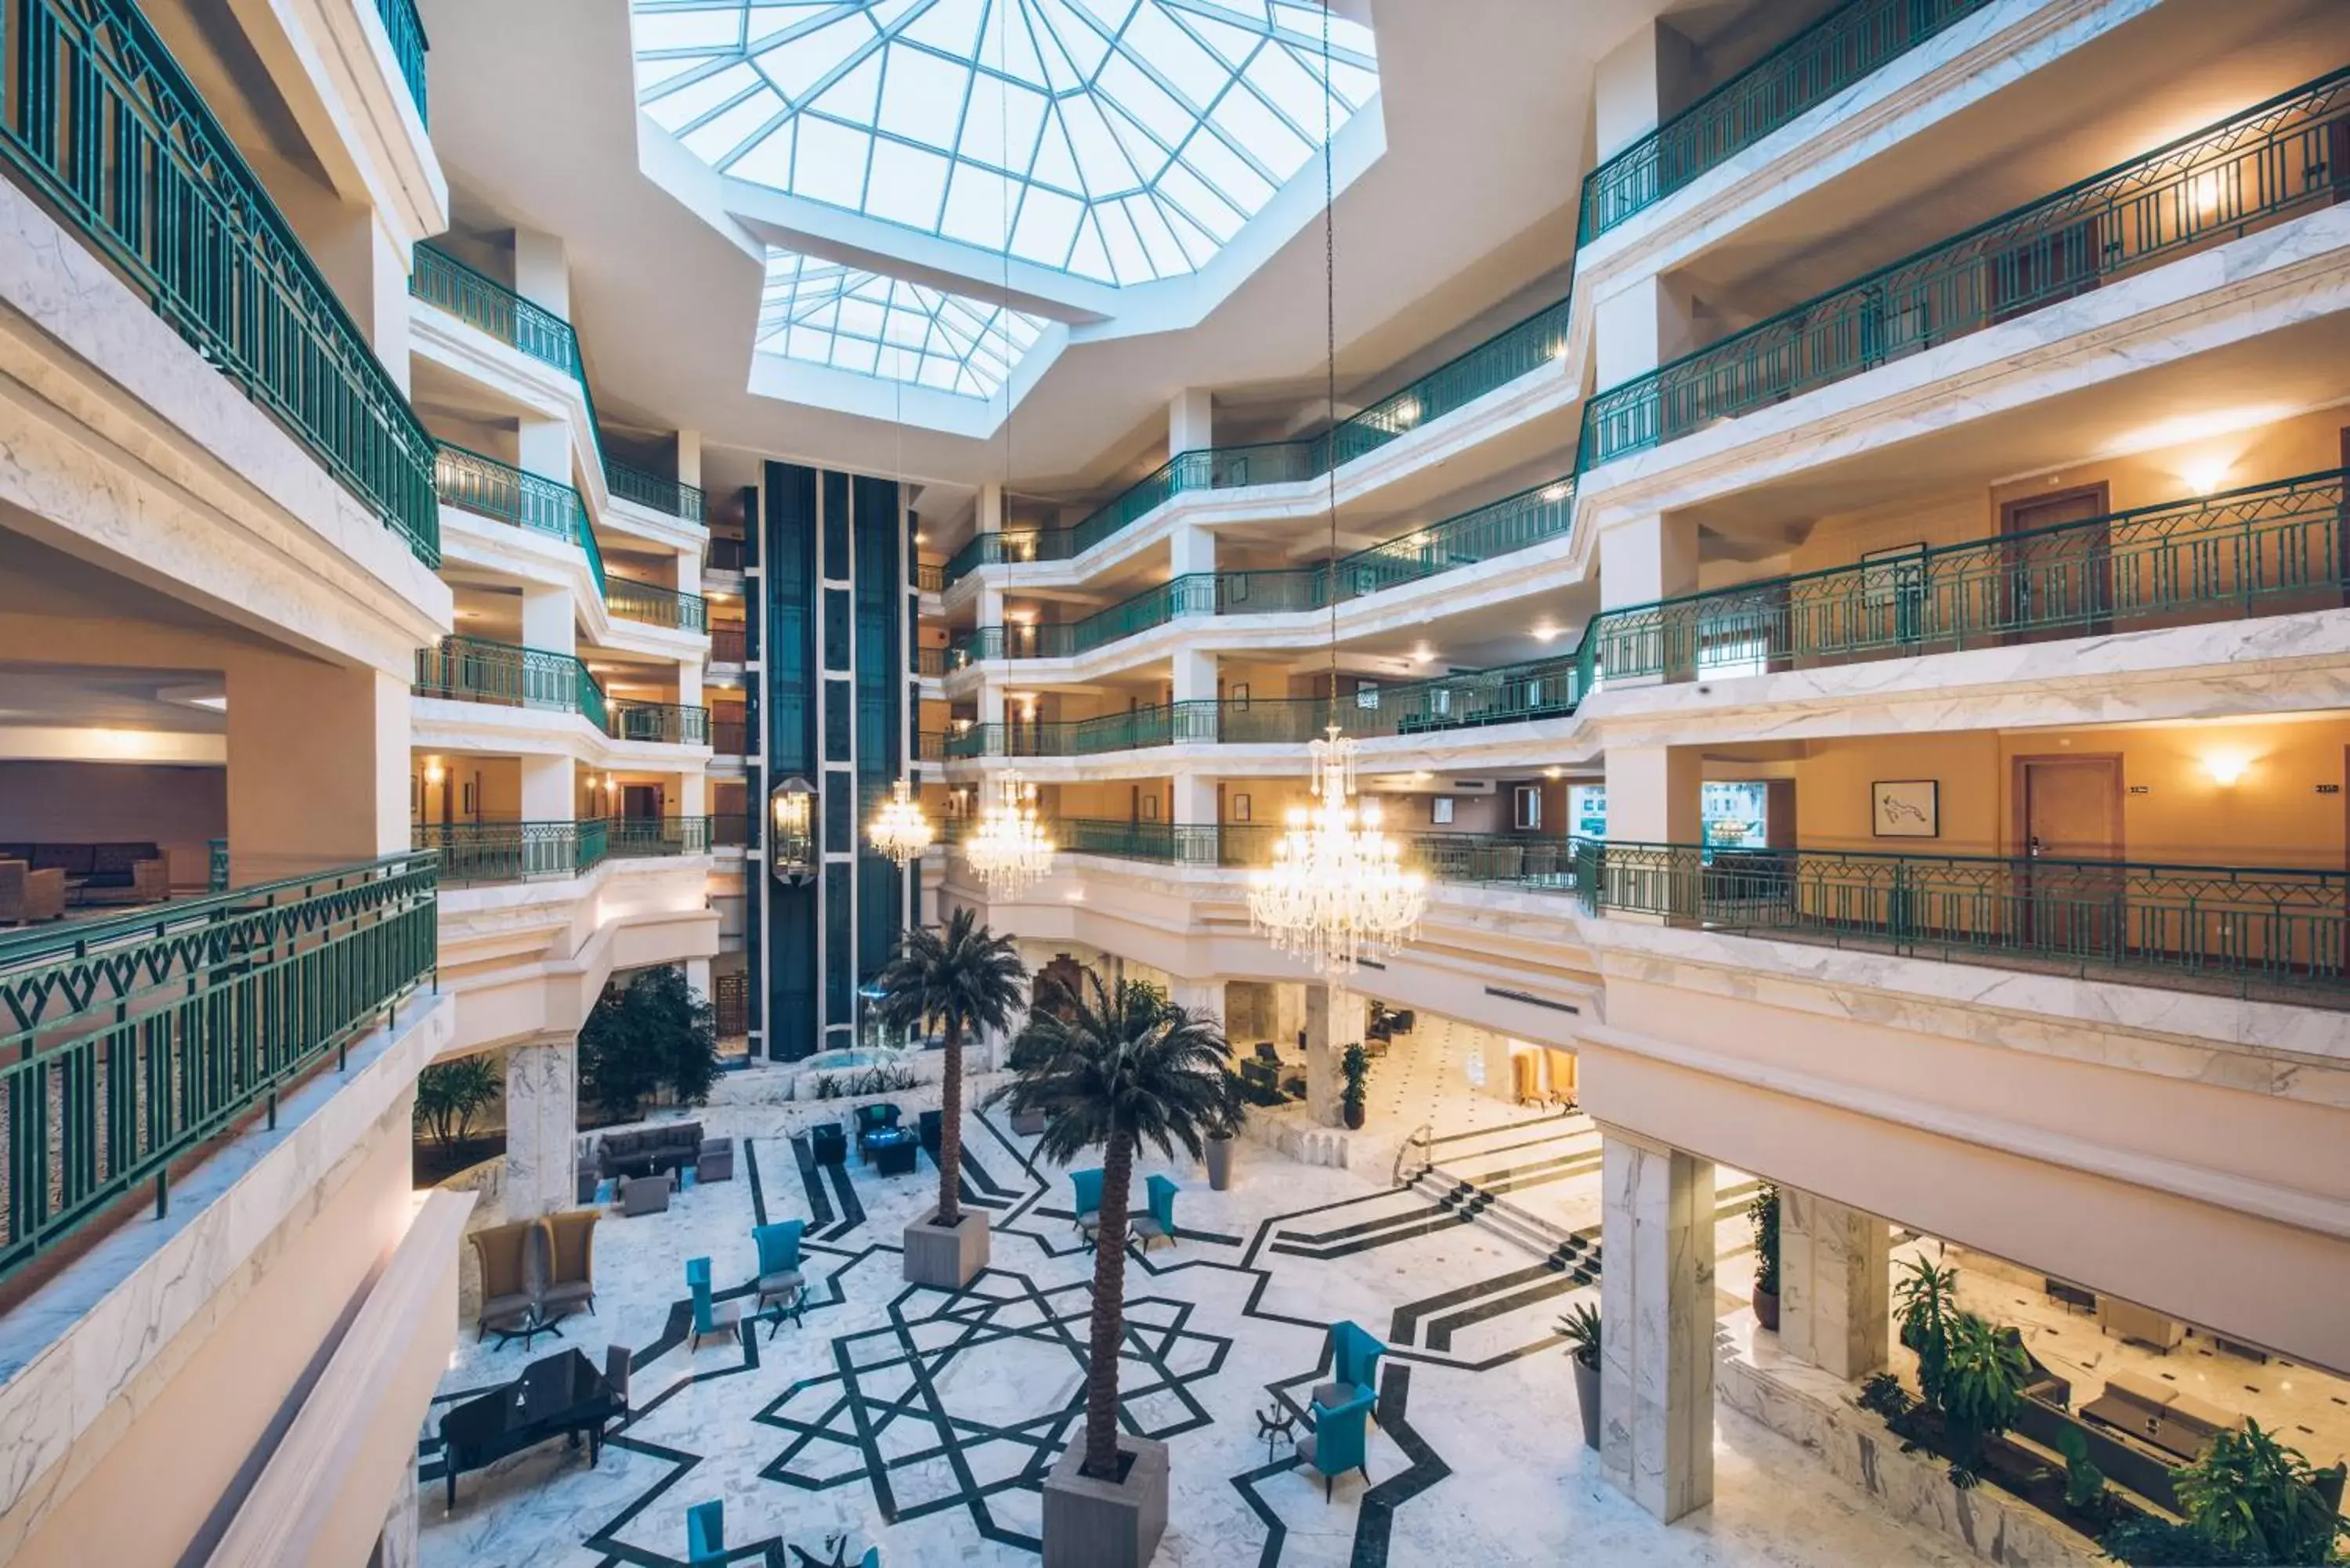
(642, 1150)
(123, 873)
(28, 895)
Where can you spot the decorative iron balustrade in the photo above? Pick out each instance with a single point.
(930, 661)
(929, 746)
(2253, 169)
(474, 852)
(929, 577)
(476, 670)
(632, 598)
(1832, 53)
(642, 837)
(98, 122)
(653, 491)
(132, 1039)
(216, 866)
(666, 723)
(408, 46)
(483, 485)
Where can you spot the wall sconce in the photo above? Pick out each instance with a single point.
(791, 841)
(434, 773)
(2227, 767)
(2205, 474)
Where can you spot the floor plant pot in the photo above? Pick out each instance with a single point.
(1091, 1523)
(1587, 1394)
(948, 1257)
(1766, 1308)
(1354, 1117)
(1220, 1163)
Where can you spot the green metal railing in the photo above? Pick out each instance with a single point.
(131, 1041)
(476, 670)
(2253, 169)
(483, 485)
(98, 122)
(930, 661)
(668, 723)
(1518, 350)
(408, 46)
(929, 577)
(646, 488)
(216, 870)
(1832, 53)
(1518, 860)
(473, 852)
(638, 837)
(929, 746)
(2237, 927)
(632, 599)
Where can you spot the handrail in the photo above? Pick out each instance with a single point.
(929, 577)
(655, 604)
(666, 723)
(1804, 72)
(408, 46)
(646, 488)
(1423, 1137)
(473, 482)
(98, 122)
(476, 670)
(2211, 184)
(132, 1039)
(512, 851)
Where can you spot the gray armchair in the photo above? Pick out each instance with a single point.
(715, 1162)
(645, 1195)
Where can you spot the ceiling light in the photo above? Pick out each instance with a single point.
(1009, 849)
(901, 831)
(1554, 772)
(1423, 654)
(1547, 630)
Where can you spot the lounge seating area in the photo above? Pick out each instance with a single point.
(41, 881)
(672, 1147)
(535, 1272)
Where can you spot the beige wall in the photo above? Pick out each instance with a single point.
(176, 808)
(497, 793)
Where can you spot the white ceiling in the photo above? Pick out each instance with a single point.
(1485, 105)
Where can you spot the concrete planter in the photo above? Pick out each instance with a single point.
(1028, 1124)
(1092, 1524)
(1220, 1163)
(948, 1257)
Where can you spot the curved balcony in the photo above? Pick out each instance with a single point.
(98, 120)
(632, 599)
(662, 723)
(652, 490)
(472, 853)
(2252, 170)
(488, 488)
(476, 670)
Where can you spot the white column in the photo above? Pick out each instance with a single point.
(697, 975)
(1190, 422)
(547, 623)
(693, 800)
(991, 703)
(543, 271)
(1194, 675)
(1191, 550)
(689, 683)
(1641, 326)
(542, 1127)
(1644, 560)
(1495, 1048)
(1835, 1276)
(1194, 800)
(1333, 1021)
(689, 570)
(1639, 84)
(1656, 1296)
(549, 791)
(688, 458)
(989, 517)
(1654, 794)
(543, 447)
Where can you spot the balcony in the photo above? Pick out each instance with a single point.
(488, 488)
(933, 661)
(652, 490)
(1817, 64)
(653, 605)
(96, 120)
(2253, 169)
(409, 46)
(662, 723)
(134, 1040)
(1518, 350)
(931, 746)
(473, 853)
(474, 670)
(929, 577)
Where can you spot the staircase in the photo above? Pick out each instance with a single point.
(1563, 1250)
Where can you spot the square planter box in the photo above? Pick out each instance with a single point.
(1028, 1124)
(947, 1257)
(1092, 1524)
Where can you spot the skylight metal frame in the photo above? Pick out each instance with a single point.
(829, 313)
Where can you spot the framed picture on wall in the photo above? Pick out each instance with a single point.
(1238, 696)
(1906, 808)
(1440, 810)
(1240, 808)
(1150, 808)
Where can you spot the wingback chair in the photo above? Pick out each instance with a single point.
(711, 1318)
(1338, 1442)
(705, 1533)
(505, 1252)
(1088, 1186)
(1158, 1225)
(779, 1260)
(570, 1262)
(1354, 1365)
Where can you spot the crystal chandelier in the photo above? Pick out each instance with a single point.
(899, 830)
(1336, 890)
(1009, 849)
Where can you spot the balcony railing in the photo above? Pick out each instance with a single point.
(2254, 169)
(1832, 53)
(632, 598)
(929, 746)
(1520, 859)
(1517, 351)
(473, 482)
(126, 1042)
(929, 577)
(476, 670)
(2226, 928)
(666, 723)
(728, 645)
(732, 830)
(96, 120)
(930, 661)
(407, 46)
(646, 489)
(473, 852)
(639, 838)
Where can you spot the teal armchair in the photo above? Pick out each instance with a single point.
(779, 1261)
(1158, 1225)
(705, 1533)
(1088, 1186)
(1338, 1441)
(711, 1318)
(1354, 1365)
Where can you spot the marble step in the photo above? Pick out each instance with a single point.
(1562, 1250)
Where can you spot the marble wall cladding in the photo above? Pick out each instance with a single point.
(397, 1548)
(1758, 1379)
(1834, 1283)
(542, 1122)
(1657, 1233)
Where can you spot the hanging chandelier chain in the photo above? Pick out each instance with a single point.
(1330, 358)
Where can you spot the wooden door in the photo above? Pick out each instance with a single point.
(640, 800)
(2069, 820)
(2056, 585)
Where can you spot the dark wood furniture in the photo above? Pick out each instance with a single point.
(559, 1396)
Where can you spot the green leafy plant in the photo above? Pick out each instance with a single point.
(1881, 1392)
(1116, 1070)
(1763, 1210)
(827, 1087)
(1355, 1067)
(2084, 1484)
(1927, 1298)
(1580, 1328)
(967, 980)
(655, 1033)
(450, 1095)
(2248, 1493)
(1983, 1372)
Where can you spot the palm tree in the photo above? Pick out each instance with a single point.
(967, 980)
(1115, 1070)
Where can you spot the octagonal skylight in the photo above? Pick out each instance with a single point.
(1121, 140)
(851, 319)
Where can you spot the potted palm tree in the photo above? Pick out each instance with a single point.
(1580, 1329)
(967, 980)
(1114, 1069)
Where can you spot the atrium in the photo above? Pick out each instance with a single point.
(833, 783)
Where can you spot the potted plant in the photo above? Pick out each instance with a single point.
(1763, 1211)
(1354, 1067)
(1580, 1328)
(1221, 1136)
(1983, 1372)
(1115, 1070)
(2248, 1499)
(966, 980)
(1928, 1301)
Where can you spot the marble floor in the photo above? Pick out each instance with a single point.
(924, 1422)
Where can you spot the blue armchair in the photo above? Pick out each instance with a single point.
(1158, 1225)
(779, 1261)
(1338, 1442)
(1089, 1185)
(711, 1318)
(705, 1533)
(871, 1119)
(1354, 1365)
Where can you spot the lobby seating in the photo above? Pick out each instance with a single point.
(617, 1364)
(570, 1262)
(509, 1256)
(711, 1318)
(779, 1261)
(1353, 1365)
(715, 1160)
(933, 1129)
(828, 1144)
(1088, 1189)
(2176, 1422)
(644, 1195)
(871, 1119)
(28, 895)
(669, 1146)
(122, 873)
(705, 1533)
(1158, 1225)
(1338, 1442)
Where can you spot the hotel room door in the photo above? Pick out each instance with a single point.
(2070, 816)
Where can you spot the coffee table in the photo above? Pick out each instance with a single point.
(563, 1395)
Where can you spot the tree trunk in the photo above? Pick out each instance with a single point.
(1109, 1310)
(951, 1129)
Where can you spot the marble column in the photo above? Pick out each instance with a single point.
(396, 1547)
(1333, 1021)
(1655, 1305)
(542, 1128)
(1835, 1276)
(1199, 996)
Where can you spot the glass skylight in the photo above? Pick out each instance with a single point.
(851, 319)
(1122, 141)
